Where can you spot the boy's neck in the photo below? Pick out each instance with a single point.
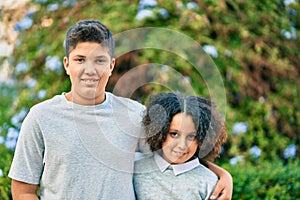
(85, 102)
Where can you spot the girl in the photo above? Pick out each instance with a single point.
(183, 132)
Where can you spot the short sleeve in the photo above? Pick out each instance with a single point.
(27, 164)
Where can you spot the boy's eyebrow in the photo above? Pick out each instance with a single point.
(101, 56)
(78, 55)
(83, 56)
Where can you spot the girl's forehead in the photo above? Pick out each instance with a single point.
(182, 120)
(181, 116)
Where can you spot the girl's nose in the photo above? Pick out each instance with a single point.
(182, 143)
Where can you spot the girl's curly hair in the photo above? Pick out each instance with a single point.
(211, 130)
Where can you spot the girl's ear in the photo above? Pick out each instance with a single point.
(66, 65)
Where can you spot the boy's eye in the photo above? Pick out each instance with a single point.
(100, 61)
(79, 60)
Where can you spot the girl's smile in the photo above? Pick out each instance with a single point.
(181, 143)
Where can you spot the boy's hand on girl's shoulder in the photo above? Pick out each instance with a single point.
(224, 188)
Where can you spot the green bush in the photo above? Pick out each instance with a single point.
(266, 180)
(258, 59)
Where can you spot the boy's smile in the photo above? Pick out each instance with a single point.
(90, 82)
(89, 66)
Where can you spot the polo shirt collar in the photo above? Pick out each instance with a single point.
(178, 168)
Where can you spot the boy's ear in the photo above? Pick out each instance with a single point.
(112, 65)
(66, 65)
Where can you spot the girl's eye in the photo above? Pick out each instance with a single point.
(191, 137)
(174, 134)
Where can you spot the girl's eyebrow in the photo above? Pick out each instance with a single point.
(173, 130)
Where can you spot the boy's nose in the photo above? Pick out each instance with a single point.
(89, 68)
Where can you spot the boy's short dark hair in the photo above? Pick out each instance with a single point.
(89, 31)
(208, 122)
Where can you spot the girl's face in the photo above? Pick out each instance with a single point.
(89, 66)
(181, 142)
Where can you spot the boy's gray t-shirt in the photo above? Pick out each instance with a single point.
(80, 152)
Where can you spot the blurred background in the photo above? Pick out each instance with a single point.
(255, 46)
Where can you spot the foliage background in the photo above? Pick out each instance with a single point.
(258, 57)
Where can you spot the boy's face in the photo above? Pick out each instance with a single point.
(181, 142)
(89, 66)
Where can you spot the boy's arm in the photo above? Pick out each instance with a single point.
(23, 191)
(224, 187)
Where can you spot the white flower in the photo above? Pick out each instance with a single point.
(286, 34)
(31, 83)
(11, 138)
(1, 173)
(21, 67)
(255, 151)
(69, 3)
(23, 113)
(2, 140)
(10, 82)
(146, 4)
(288, 2)
(235, 160)
(292, 11)
(143, 14)
(41, 94)
(30, 12)
(192, 6)
(16, 119)
(164, 13)
(54, 64)
(290, 151)
(25, 23)
(12, 134)
(240, 127)
(52, 7)
(211, 50)
(40, 1)
(293, 33)
(10, 144)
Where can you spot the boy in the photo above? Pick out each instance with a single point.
(81, 144)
